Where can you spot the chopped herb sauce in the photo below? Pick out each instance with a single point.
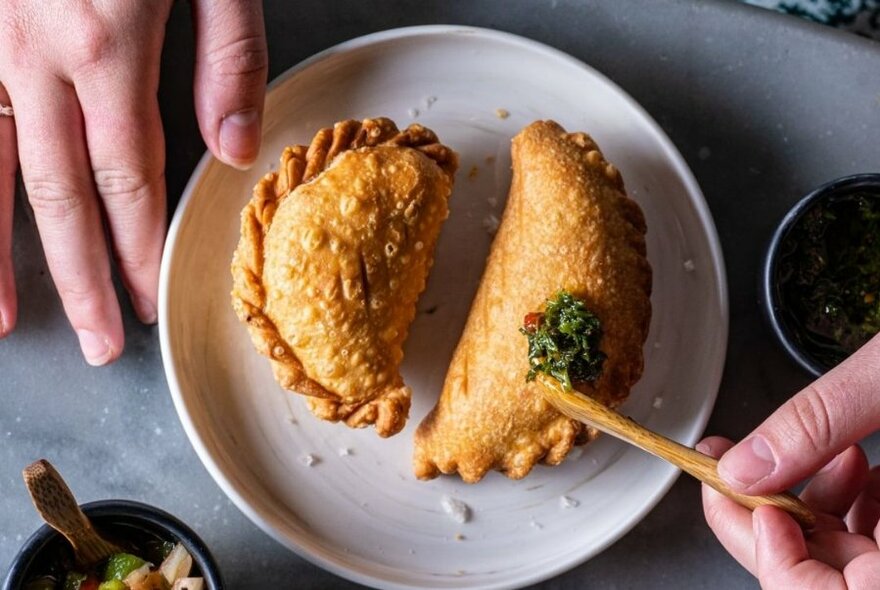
(564, 341)
(829, 277)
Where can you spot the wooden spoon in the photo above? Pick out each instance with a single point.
(704, 468)
(57, 506)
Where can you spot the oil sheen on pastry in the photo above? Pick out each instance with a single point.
(335, 249)
(568, 224)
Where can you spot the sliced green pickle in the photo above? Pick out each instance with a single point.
(120, 565)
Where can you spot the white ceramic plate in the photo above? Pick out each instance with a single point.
(363, 515)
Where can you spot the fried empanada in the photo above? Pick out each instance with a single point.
(568, 224)
(335, 249)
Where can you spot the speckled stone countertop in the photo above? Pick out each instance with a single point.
(763, 107)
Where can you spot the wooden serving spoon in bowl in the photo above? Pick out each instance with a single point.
(57, 506)
(596, 414)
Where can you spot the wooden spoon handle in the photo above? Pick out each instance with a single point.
(702, 467)
(57, 506)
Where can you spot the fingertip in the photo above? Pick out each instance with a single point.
(760, 516)
(8, 303)
(232, 64)
(834, 489)
(714, 446)
(142, 286)
(760, 532)
(145, 309)
(732, 525)
(757, 526)
(850, 465)
(101, 343)
(97, 348)
(863, 571)
(8, 166)
(240, 138)
(779, 541)
(747, 465)
(7, 322)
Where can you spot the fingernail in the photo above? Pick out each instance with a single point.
(240, 138)
(748, 462)
(704, 447)
(145, 310)
(7, 325)
(757, 526)
(95, 348)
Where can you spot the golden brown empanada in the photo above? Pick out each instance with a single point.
(568, 225)
(335, 249)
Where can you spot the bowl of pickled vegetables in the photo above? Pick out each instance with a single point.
(159, 552)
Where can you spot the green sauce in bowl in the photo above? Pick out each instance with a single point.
(828, 276)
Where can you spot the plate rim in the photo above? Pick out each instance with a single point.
(314, 553)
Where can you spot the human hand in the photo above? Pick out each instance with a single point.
(840, 552)
(82, 78)
(813, 434)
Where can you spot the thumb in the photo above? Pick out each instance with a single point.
(834, 412)
(230, 77)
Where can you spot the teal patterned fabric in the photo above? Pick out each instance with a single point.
(859, 16)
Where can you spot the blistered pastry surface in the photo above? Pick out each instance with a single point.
(335, 250)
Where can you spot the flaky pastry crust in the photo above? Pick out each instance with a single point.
(568, 224)
(335, 249)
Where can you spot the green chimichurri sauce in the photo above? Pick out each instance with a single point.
(564, 341)
(829, 276)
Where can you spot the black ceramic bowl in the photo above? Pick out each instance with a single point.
(114, 517)
(770, 292)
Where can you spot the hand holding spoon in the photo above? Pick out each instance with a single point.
(704, 468)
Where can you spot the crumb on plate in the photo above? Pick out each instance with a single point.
(455, 509)
(491, 223)
(568, 502)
